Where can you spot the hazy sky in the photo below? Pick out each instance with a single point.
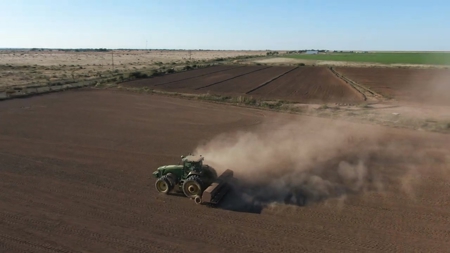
(230, 24)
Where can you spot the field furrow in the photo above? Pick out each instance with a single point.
(309, 84)
(192, 85)
(242, 84)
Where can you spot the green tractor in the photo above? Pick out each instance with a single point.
(194, 179)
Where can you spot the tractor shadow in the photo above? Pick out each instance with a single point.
(236, 201)
(247, 198)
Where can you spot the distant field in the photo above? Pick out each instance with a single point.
(384, 58)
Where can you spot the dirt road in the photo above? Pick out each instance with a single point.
(75, 176)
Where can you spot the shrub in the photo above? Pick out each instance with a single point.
(138, 74)
(156, 73)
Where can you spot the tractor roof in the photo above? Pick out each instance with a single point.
(193, 158)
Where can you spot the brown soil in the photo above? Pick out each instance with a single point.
(76, 177)
(310, 84)
(305, 84)
(407, 84)
(246, 83)
(192, 85)
(177, 77)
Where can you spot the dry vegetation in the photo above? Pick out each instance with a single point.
(23, 68)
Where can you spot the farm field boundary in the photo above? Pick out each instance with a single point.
(360, 113)
(440, 59)
(23, 92)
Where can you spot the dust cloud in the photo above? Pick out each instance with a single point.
(432, 88)
(311, 160)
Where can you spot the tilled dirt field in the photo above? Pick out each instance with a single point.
(178, 77)
(75, 176)
(313, 84)
(430, 86)
(192, 85)
(304, 84)
(248, 82)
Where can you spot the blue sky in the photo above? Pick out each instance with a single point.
(231, 24)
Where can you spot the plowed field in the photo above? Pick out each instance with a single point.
(426, 85)
(192, 85)
(176, 77)
(246, 83)
(304, 84)
(310, 84)
(75, 176)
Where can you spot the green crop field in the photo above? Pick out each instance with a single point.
(384, 58)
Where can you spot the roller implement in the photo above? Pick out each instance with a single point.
(194, 179)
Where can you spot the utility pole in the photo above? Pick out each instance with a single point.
(112, 59)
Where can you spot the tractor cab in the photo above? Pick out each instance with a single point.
(192, 163)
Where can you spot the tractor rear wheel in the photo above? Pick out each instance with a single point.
(163, 185)
(193, 186)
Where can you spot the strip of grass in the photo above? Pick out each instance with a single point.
(383, 58)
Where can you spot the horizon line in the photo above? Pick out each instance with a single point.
(256, 50)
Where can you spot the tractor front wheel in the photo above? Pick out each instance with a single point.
(192, 187)
(163, 185)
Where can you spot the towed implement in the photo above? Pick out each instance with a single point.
(194, 179)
